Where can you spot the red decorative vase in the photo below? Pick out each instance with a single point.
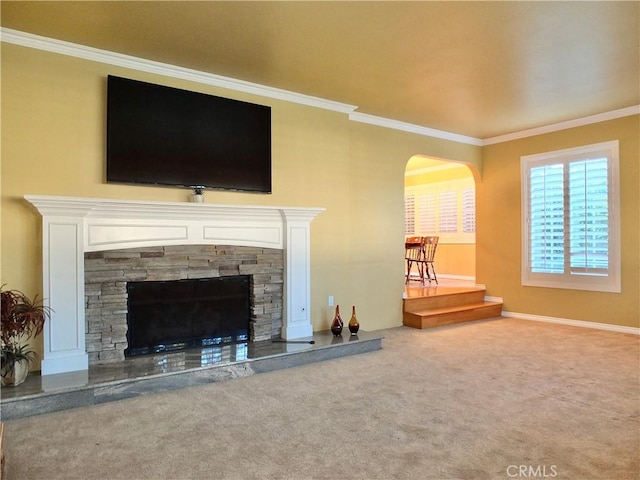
(337, 324)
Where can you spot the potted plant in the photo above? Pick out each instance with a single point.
(21, 318)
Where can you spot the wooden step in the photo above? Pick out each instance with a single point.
(466, 312)
(457, 297)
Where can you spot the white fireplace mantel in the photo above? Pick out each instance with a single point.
(72, 226)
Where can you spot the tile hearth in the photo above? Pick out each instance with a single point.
(170, 371)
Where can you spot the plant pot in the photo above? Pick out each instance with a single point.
(10, 377)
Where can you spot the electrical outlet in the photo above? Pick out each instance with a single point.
(330, 301)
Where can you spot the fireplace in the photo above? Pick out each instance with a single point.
(74, 230)
(109, 276)
(170, 315)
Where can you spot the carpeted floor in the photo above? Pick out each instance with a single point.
(495, 399)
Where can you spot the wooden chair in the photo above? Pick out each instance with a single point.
(429, 251)
(414, 255)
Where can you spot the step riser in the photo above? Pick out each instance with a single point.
(440, 301)
(438, 320)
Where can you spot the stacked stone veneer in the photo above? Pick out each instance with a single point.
(107, 273)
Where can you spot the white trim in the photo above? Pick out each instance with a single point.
(556, 127)
(448, 276)
(412, 128)
(30, 40)
(489, 298)
(574, 323)
(127, 61)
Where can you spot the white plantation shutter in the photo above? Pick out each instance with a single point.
(469, 210)
(446, 209)
(409, 215)
(427, 216)
(546, 193)
(588, 215)
(448, 212)
(571, 233)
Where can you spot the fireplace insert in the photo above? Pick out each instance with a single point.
(166, 316)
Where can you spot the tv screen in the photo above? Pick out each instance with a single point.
(166, 136)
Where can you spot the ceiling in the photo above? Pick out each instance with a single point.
(480, 69)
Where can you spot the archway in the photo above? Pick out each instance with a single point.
(440, 200)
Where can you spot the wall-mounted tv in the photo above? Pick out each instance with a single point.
(166, 136)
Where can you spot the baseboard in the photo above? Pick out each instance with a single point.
(469, 278)
(463, 278)
(573, 323)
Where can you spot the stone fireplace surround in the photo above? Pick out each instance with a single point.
(73, 227)
(108, 272)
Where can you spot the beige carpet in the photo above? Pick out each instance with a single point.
(496, 399)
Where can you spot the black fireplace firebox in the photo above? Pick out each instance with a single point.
(166, 316)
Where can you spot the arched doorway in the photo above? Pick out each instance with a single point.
(440, 200)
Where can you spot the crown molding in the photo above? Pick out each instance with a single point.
(127, 61)
(578, 122)
(412, 128)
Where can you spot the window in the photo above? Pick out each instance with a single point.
(570, 201)
(446, 209)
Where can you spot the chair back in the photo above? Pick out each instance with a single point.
(413, 248)
(430, 245)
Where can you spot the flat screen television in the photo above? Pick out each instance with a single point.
(167, 136)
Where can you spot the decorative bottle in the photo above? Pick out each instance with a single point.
(337, 324)
(354, 326)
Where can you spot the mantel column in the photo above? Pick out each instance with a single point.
(297, 289)
(63, 289)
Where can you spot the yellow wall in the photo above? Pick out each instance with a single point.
(53, 143)
(436, 176)
(455, 260)
(498, 235)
